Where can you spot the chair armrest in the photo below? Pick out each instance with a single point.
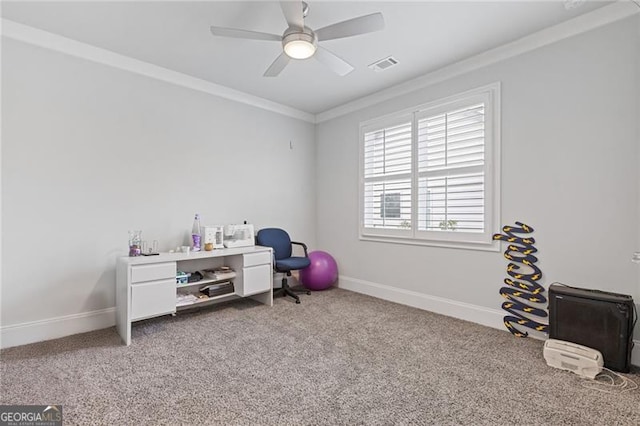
(304, 246)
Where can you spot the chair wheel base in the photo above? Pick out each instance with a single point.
(286, 290)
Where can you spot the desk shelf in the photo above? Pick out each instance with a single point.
(203, 282)
(203, 301)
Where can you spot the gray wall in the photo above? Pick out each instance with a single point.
(570, 156)
(89, 152)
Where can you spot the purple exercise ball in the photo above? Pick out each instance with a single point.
(322, 272)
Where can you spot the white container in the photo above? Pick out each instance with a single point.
(213, 235)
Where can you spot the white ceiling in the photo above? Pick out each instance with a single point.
(423, 36)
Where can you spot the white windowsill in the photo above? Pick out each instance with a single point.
(493, 246)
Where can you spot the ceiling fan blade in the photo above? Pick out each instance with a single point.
(293, 13)
(277, 66)
(361, 25)
(237, 33)
(337, 65)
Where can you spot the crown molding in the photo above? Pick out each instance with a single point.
(51, 41)
(572, 27)
(599, 17)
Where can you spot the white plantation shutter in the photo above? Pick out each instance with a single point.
(387, 177)
(431, 175)
(451, 170)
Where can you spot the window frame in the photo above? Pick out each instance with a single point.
(490, 96)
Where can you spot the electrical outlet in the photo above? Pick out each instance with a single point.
(636, 257)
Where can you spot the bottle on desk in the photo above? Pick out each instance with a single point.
(135, 242)
(195, 234)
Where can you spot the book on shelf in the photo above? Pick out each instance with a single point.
(221, 273)
(185, 299)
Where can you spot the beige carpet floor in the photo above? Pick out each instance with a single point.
(337, 358)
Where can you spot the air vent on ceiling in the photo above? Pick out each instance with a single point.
(384, 64)
(572, 4)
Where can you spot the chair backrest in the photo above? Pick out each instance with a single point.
(277, 239)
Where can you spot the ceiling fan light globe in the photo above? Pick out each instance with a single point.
(299, 45)
(299, 49)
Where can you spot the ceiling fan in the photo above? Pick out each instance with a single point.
(301, 42)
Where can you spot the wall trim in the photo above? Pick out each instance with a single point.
(51, 41)
(440, 305)
(583, 23)
(597, 18)
(635, 353)
(54, 328)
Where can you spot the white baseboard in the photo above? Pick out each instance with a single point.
(635, 353)
(54, 328)
(440, 305)
(37, 331)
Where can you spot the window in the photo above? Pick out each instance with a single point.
(387, 159)
(431, 175)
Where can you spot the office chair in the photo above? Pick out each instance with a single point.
(282, 246)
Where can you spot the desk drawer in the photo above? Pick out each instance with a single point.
(256, 279)
(153, 299)
(153, 271)
(253, 259)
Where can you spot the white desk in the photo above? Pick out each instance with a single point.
(146, 285)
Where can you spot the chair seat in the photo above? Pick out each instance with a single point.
(292, 263)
